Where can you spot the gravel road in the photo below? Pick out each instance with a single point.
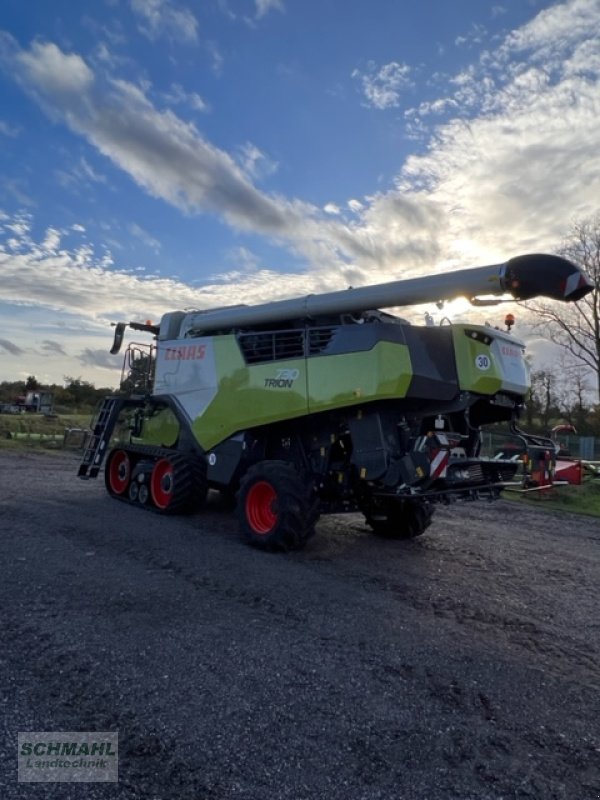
(464, 664)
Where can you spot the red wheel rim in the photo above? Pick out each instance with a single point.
(119, 471)
(161, 483)
(260, 503)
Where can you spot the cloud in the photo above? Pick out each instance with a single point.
(8, 130)
(476, 35)
(254, 162)
(100, 358)
(170, 160)
(51, 347)
(264, 6)
(161, 152)
(145, 237)
(46, 68)
(11, 347)
(524, 158)
(81, 175)
(383, 85)
(163, 18)
(513, 155)
(178, 96)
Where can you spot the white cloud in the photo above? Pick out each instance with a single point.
(163, 18)
(355, 205)
(264, 6)
(145, 237)
(382, 86)
(553, 31)
(51, 71)
(526, 158)
(254, 162)
(177, 96)
(51, 241)
(80, 174)
(476, 35)
(8, 130)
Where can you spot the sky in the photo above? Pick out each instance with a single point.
(170, 154)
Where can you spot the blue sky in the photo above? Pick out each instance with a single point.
(158, 154)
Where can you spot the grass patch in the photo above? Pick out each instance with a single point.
(24, 431)
(584, 499)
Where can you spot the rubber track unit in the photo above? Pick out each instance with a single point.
(291, 520)
(188, 477)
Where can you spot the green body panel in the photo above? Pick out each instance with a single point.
(242, 400)
(222, 394)
(477, 369)
(161, 429)
(261, 394)
(350, 378)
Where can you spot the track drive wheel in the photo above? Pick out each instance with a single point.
(177, 485)
(118, 472)
(404, 519)
(277, 508)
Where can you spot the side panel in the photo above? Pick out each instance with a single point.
(249, 396)
(160, 429)
(489, 361)
(351, 378)
(185, 368)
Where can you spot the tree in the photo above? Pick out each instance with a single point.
(79, 393)
(542, 399)
(32, 383)
(576, 326)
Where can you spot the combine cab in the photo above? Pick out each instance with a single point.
(324, 404)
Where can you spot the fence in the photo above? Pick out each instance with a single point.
(585, 447)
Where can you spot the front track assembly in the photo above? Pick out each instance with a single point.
(157, 478)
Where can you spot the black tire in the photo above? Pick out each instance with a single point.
(402, 519)
(177, 485)
(277, 508)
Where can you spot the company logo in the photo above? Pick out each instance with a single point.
(284, 379)
(189, 352)
(511, 352)
(73, 757)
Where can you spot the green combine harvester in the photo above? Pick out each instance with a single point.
(324, 404)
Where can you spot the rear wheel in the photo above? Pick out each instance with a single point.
(403, 519)
(277, 508)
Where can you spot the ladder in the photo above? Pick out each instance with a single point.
(102, 429)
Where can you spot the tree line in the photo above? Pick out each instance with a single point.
(74, 395)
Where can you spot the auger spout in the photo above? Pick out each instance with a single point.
(523, 278)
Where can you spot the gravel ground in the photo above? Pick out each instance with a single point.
(464, 664)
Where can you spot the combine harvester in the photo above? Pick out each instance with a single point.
(325, 404)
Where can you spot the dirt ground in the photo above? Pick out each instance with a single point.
(464, 664)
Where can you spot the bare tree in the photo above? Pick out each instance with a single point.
(576, 326)
(543, 402)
